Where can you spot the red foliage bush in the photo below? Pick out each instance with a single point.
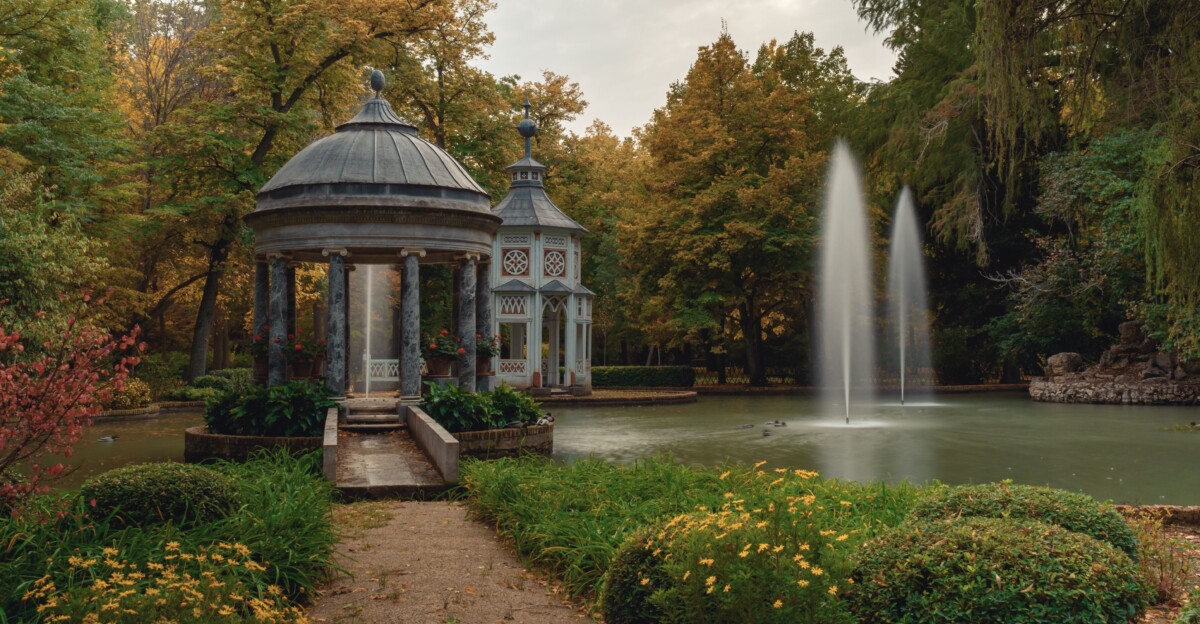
(47, 399)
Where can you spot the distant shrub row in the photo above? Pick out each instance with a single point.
(643, 376)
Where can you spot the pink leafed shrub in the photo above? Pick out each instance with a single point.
(49, 395)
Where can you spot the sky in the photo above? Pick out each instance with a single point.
(625, 53)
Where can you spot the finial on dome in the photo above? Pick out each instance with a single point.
(527, 128)
(377, 82)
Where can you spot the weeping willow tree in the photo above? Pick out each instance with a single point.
(1086, 68)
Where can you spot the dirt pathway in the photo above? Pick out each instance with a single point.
(428, 563)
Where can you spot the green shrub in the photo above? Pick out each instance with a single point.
(188, 393)
(632, 578)
(509, 405)
(643, 376)
(296, 408)
(996, 571)
(459, 410)
(1072, 511)
(162, 371)
(147, 494)
(134, 395)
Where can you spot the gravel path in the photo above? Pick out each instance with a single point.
(428, 563)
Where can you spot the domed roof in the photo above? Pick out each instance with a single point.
(376, 147)
(372, 189)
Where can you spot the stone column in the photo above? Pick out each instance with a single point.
(262, 295)
(276, 366)
(336, 328)
(410, 324)
(555, 345)
(483, 316)
(291, 299)
(464, 282)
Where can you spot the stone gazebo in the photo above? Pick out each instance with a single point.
(541, 303)
(374, 192)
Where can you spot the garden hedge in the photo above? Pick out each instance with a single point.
(643, 376)
(149, 494)
(1070, 510)
(993, 570)
(632, 577)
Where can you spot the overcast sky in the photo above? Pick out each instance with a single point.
(625, 53)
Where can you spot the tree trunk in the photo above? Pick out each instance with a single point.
(752, 334)
(208, 307)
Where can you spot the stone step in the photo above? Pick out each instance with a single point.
(359, 417)
(381, 427)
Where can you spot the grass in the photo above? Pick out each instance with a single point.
(284, 519)
(571, 519)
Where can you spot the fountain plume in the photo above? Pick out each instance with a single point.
(906, 296)
(846, 361)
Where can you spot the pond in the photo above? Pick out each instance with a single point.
(1127, 454)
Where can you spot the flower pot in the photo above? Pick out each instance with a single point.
(302, 369)
(483, 367)
(438, 366)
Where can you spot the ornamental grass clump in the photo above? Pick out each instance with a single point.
(147, 494)
(217, 582)
(1072, 511)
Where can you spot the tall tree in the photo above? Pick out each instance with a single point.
(735, 175)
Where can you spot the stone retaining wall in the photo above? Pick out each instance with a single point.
(538, 439)
(200, 445)
(1115, 393)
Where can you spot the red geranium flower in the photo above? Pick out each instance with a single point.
(462, 351)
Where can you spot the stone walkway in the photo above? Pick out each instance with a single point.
(385, 465)
(428, 563)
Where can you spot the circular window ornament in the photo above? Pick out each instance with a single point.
(516, 262)
(556, 263)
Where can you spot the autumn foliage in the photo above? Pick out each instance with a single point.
(47, 398)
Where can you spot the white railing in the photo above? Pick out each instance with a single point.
(514, 367)
(381, 370)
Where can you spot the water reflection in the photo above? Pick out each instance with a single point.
(1118, 452)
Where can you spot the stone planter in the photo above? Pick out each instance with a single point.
(483, 367)
(305, 369)
(200, 445)
(506, 442)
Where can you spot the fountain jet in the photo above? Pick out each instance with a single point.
(906, 294)
(845, 308)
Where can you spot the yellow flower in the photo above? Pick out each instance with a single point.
(817, 571)
(728, 494)
(743, 554)
(225, 610)
(845, 503)
(687, 574)
(172, 546)
(842, 538)
(760, 524)
(111, 552)
(710, 580)
(759, 463)
(777, 548)
(833, 590)
(726, 590)
(241, 550)
(827, 533)
(802, 583)
(724, 474)
(762, 547)
(645, 581)
(778, 604)
(706, 562)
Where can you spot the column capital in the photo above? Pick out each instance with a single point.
(468, 256)
(279, 255)
(412, 251)
(341, 251)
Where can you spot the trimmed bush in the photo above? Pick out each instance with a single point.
(996, 571)
(149, 494)
(135, 394)
(189, 393)
(1074, 512)
(632, 578)
(643, 376)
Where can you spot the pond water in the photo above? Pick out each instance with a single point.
(137, 440)
(1127, 454)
